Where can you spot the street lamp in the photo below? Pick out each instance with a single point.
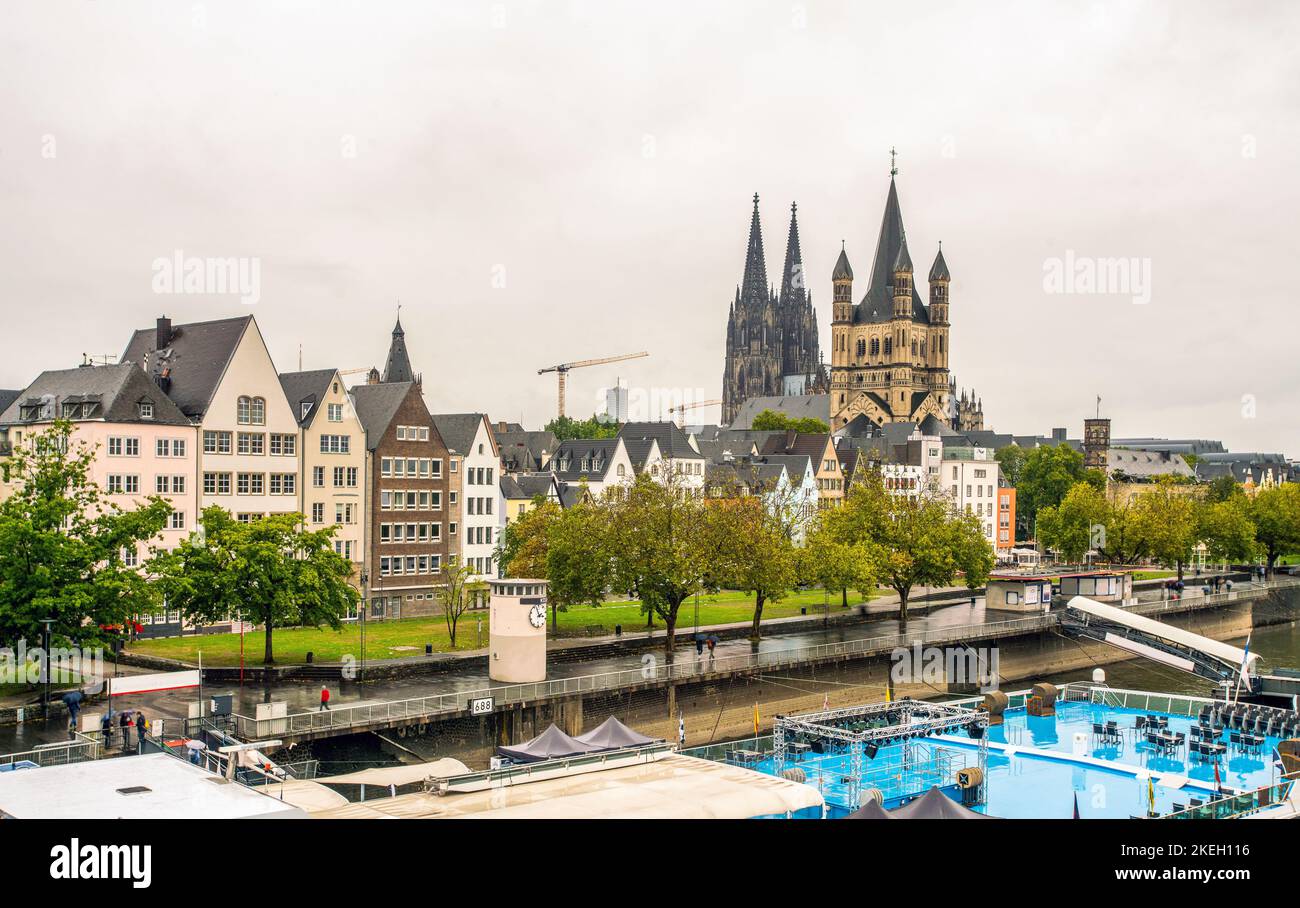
(45, 708)
(363, 606)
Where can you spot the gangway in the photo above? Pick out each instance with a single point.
(1222, 663)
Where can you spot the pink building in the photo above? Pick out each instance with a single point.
(143, 443)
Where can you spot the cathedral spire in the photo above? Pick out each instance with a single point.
(398, 367)
(754, 285)
(793, 282)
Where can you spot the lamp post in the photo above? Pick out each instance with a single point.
(361, 617)
(45, 701)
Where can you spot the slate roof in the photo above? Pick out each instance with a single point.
(306, 387)
(376, 405)
(843, 270)
(597, 453)
(523, 451)
(113, 391)
(1147, 464)
(812, 445)
(877, 305)
(194, 360)
(939, 270)
(398, 367)
(817, 406)
(673, 442)
(528, 485)
(458, 430)
(752, 475)
(8, 396)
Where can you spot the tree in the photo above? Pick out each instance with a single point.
(1222, 488)
(1226, 528)
(835, 565)
(521, 548)
(1011, 459)
(912, 540)
(1166, 521)
(577, 563)
(1276, 514)
(566, 427)
(1068, 527)
(269, 569)
(759, 557)
(457, 596)
(770, 420)
(665, 544)
(64, 544)
(1047, 475)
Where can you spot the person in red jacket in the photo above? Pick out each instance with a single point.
(324, 697)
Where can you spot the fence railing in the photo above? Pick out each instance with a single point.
(1237, 805)
(78, 750)
(655, 670)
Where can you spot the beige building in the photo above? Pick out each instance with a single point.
(332, 459)
(221, 376)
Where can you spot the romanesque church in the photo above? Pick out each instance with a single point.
(889, 350)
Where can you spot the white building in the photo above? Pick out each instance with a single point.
(969, 476)
(476, 496)
(918, 470)
(221, 376)
(596, 463)
(616, 409)
(662, 449)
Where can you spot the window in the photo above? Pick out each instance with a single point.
(130, 558)
(335, 413)
(252, 443)
(339, 474)
(435, 468)
(250, 483)
(284, 445)
(335, 444)
(318, 477)
(216, 442)
(424, 433)
(146, 409)
(114, 483)
(318, 513)
(284, 483)
(177, 521)
(352, 477)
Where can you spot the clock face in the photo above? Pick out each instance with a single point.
(537, 615)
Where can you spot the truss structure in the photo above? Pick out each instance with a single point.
(916, 762)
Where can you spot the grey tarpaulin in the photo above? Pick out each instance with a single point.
(933, 805)
(551, 744)
(614, 735)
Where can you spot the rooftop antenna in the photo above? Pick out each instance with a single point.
(300, 357)
(893, 166)
(1099, 406)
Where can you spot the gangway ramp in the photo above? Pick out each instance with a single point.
(1173, 646)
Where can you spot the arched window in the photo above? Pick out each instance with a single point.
(245, 415)
(862, 347)
(259, 411)
(875, 346)
(889, 346)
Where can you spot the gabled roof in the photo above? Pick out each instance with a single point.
(639, 451)
(194, 360)
(528, 485)
(458, 430)
(376, 405)
(753, 476)
(596, 453)
(674, 444)
(306, 388)
(7, 397)
(812, 445)
(524, 451)
(796, 465)
(877, 305)
(113, 392)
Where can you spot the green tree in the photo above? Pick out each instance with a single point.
(270, 570)
(664, 545)
(1048, 473)
(577, 562)
(521, 548)
(911, 540)
(1276, 514)
(566, 427)
(770, 420)
(1227, 529)
(1223, 488)
(1011, 460)
(759, 556)
(1069, 527)
(457, 596)
(63, 543)
(1166, 521)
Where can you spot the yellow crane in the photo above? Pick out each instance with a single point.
(682, 408)
(562, 370)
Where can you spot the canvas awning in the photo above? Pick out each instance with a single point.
(551, 744)
(400, 775)
(933, 805)
(614, 735)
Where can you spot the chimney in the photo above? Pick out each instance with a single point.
(164, 336)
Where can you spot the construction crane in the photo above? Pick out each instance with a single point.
(682, 408)
(562, 370)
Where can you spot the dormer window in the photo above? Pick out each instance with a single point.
(145, 408)
(306, 408)
(71, 411)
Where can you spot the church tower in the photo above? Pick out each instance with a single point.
(800, 353)
(938, 350)
(754, 358)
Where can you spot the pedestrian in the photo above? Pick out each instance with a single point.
(139, 731)
(106, 726)
(699, 646)
(124, 720)
(72, 699)
(324, 697)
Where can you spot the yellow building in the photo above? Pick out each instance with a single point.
(332, 459)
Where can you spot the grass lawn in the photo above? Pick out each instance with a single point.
(408, 636)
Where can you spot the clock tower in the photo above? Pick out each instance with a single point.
(517, 633)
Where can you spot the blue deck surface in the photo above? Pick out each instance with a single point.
(1028, 786)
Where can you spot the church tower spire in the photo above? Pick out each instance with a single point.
(398, 367)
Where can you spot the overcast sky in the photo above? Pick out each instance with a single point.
(543, 182)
